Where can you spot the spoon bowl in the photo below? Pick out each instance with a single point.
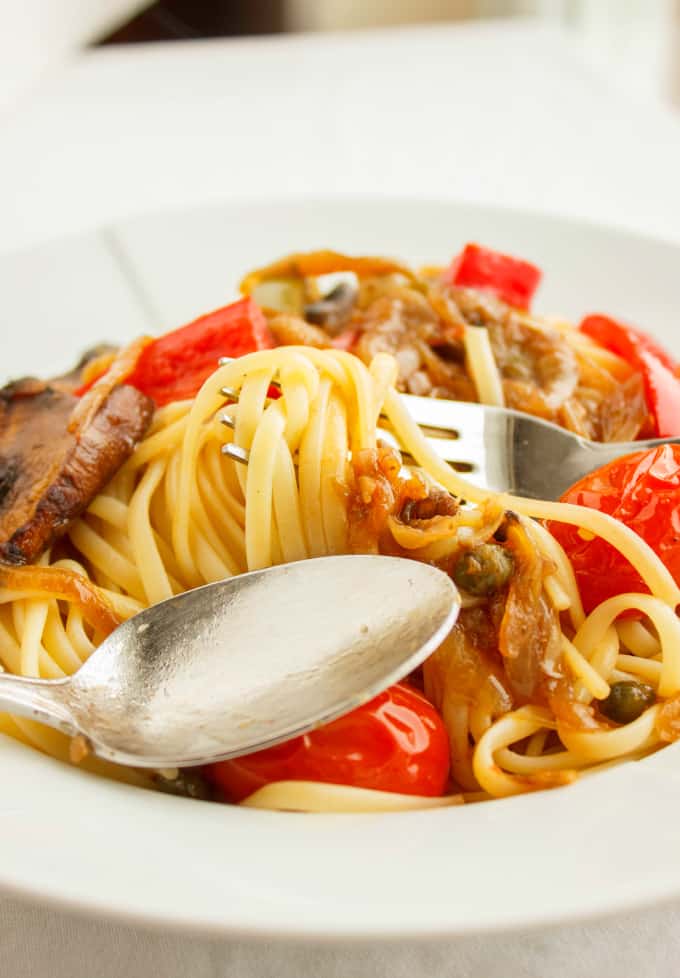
(246, 663)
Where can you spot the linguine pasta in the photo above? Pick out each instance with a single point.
(180, 514)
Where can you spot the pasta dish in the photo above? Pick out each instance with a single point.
(116, 493)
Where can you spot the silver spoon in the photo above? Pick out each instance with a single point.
(246, 663)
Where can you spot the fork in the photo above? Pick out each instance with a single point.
(497, 448)
(508, 451)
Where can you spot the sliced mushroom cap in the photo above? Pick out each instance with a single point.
(333, 311)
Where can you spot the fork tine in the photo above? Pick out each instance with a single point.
(223, 361)
(450, 450)
(456, 430)
(436, 431)
(232, 395)
(445, 415)
(443, 447)
(236, 453)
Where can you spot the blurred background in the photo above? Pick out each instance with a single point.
(637, 42)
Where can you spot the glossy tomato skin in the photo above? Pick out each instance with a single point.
(641, 490)
(396, 742)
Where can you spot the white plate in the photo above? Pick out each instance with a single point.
(608, 843)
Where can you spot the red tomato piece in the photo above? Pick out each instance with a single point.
(659, 370)
(175, 366)
(624, 339)
(512, 280)
(641, 490)
(396, 742)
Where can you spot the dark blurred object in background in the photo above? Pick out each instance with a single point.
(636, 41)
(170, 20)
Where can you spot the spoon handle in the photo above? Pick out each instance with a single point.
(37, 699)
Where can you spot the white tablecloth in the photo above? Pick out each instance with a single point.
(36, 943)
(498, 113)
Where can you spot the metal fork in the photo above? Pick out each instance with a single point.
(498, 448)
(509, 451)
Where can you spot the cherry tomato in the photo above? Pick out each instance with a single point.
(641, 490)
(396, 742)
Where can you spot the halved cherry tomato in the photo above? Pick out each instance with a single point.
(659, 370)
(396, 742)
(512, 280)
(641, 490)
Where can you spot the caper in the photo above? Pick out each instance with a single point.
(484, 570)
(627, 701)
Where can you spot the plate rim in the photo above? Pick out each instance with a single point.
(652, 894)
